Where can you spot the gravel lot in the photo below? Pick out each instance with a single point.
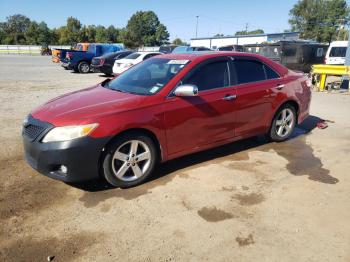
(247, 201)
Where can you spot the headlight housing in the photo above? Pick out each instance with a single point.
(66, 133)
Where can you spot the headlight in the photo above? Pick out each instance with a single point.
(65, 133)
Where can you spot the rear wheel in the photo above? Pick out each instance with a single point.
(129, 160)
(283, 123)
(84, 67)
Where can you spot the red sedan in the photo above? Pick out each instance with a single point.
(168, 106)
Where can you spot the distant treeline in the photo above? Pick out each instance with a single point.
(143, 29)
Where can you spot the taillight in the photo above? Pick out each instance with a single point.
(102, 61)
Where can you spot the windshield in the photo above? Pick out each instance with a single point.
(133, 56)
(147, 78)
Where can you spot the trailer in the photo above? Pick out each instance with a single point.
(296, 55)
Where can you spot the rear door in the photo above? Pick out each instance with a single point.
(256, 90)
(207, 118)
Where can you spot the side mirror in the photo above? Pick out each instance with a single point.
(186, 90)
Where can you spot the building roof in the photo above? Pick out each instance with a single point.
(242, 36)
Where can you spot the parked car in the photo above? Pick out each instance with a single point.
(188, 49)
(80, 61)
(236, 48)
(167, 49)
(296, 55)
(165, 107)
(336, 53)
(124, 64)
(58, 54)
(104, 64)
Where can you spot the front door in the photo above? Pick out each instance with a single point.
(196, 121)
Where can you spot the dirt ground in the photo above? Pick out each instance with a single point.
(247, 201)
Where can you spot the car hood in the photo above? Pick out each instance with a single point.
(86, 105)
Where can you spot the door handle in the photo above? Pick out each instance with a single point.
(280, 86)
(229, 97)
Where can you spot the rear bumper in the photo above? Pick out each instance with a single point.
(80, 157)
(67, 65)
(103, 69)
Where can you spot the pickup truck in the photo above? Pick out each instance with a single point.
(58, 54)
(80, 61)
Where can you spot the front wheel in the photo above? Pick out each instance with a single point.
(129, 160)
(283, 123)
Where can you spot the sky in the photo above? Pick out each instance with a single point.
(220, 16)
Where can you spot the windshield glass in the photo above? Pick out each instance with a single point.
(147, 78)
(133, 56)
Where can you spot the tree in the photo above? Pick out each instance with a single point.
(178, 41)
(144, 29)
(319, 19)
(14, 29)
(71, 33)
(88, 34)
(254, 32)
(101, 36)
(113, 34)
(38, 34)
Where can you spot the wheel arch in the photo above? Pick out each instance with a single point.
(290, 102)
(144, 131)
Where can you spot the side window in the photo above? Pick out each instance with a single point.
(249, 71)
(319, 52)
(270, 73)
(210, 76)
(290, 51)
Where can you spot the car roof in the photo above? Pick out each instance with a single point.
(203, 55)
(206, 54)
(148, 52)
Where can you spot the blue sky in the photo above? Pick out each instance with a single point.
(220, 16)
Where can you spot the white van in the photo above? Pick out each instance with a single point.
(336, 53)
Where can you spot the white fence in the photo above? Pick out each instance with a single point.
(25, 49)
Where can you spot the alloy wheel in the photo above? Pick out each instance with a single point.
(131, 160)
(284, 122)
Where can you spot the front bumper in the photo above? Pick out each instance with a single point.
(80, 157)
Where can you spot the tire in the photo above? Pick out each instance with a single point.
(84, 67)
(283, 124)
(121, 164)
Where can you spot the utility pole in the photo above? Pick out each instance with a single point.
(197, 16)
(246, 27)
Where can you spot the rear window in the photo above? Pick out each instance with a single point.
(133, 56)
(338, 52)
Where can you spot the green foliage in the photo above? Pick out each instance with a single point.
(178, 41)
(144, 29)
(14, 29)
(254, 32)
(319, 20)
